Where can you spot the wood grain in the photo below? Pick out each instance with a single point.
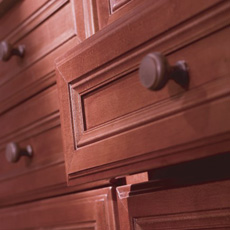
(88, 210)
(33, 80)
(199, 207)
(105, 112)
(17, 15)
(47, 37)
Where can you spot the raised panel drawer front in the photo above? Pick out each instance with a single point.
(46, 29)
(93, 210)
(112, 125)
(36, 123)
(197, 207)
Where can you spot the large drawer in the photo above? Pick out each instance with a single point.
(88, 210)
(113, 126)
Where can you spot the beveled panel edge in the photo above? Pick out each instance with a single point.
(51, 190)
(35, 20)
(30, 87)
(215, 89)
(116, 4)
(200, 220)
(38, 127)
(48, 80)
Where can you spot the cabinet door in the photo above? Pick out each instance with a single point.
(196, 207)
(88, 210)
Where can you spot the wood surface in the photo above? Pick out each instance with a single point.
(113, 128)
(106, 113)
(194, 207)
(38, 43)
(89, 210)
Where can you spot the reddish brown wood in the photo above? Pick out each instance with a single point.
(108, 114)
(116, 4)
(52, 33)
(17, 15)
(88, 210)
(194, 207)
(137, 178)
(31, 81)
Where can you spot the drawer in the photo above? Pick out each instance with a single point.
(40, 35)
(39, 26)
(113, 126)
(195, 207)
(36, 123)
(109, 11)
(87, 210)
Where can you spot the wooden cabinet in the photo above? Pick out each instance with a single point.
(88, 168)
(113, 126)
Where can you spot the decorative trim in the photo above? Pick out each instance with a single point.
(6, 5)
(38, 127)
(116, 4)
(40, 84)
(35, 20)
(186, 221)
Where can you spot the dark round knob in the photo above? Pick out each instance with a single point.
(7, 51)
(155, 71)
(14, 152)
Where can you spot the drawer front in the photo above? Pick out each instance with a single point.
(40, 35)
(195, 207)
(88, 210)
(112, 124)
(47, 29)
(36, 123)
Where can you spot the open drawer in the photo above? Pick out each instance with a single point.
(113, 126)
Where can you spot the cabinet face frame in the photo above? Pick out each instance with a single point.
(93, 63)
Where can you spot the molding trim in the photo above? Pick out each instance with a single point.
(35, 20)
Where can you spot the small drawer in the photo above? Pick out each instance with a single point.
(40, 35)
(195, 207)
(87, 210)
(44, 35)
(113, 126)
(34, 123)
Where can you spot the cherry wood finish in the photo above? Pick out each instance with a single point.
(39, 42)
(21, 11)
(113, 126)
(194, 207)
(89, 210)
